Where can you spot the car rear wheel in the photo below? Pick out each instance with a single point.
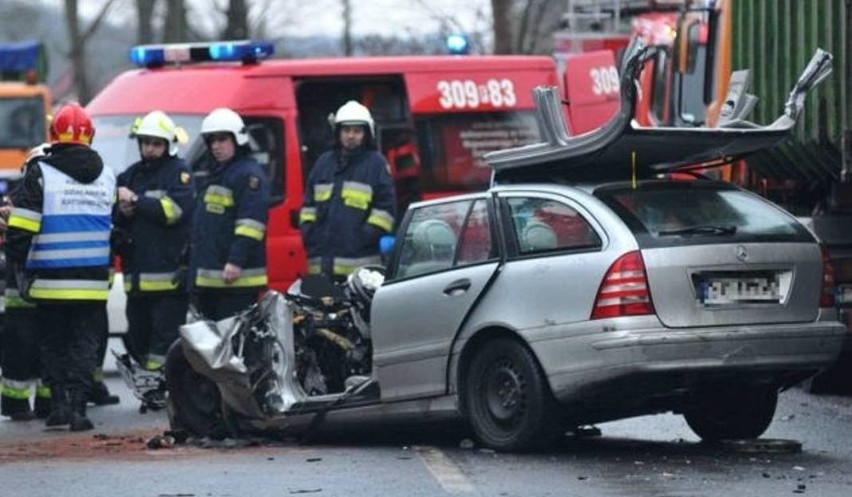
(507, 400)
(733, 414)
(193, 402)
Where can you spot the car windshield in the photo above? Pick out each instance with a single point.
(112, 138)
(675, 213)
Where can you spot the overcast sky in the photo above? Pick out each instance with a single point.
(298, 17)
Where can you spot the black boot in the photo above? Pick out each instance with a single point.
(60, 410)
(42, 406)
(100, 395)
(16, 409)
(79, 421)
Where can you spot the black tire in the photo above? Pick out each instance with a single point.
(733, 414)
(507, 400)
(193, 402)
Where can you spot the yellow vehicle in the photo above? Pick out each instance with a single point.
(25, 104)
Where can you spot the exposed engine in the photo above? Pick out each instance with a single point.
(332, 329)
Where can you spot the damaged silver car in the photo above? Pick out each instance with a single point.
(591, 283)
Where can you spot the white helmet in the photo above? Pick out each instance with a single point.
(159, 125)
(225, 120)
(353, 112)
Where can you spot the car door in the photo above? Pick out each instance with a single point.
(446, 257)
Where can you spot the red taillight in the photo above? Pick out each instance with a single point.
(624, 289)
(826, 298)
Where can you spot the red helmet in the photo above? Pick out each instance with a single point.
(71, 124)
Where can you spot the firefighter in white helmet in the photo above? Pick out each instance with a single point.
(152, 223)
(349, 198)
(229, 230)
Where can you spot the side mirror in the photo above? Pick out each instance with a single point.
(386, 244)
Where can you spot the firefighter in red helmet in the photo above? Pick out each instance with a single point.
(61, 231)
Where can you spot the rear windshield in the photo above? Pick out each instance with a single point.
(681, 213)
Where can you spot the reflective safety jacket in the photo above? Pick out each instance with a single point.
(349, 204)
(63, 224)
(152, 243)
(230, 227)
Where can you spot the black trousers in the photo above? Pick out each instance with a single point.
(20, 358)
(152, 324)
(220, 305)
(71, 336)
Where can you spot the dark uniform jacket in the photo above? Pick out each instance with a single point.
(85, 166)
(153, 242)
(230, 226)
(349, 204)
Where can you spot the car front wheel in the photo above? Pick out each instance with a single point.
(733, 414)
(508, 402)
(193, 402)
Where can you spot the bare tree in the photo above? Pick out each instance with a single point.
(501, 12)
(537, 20)
(236, 27)
(175, 26)
(77, 39)
(145, 21)
(347, 28)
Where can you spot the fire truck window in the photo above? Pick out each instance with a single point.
(266, 142)
(451, 146)
(23, 122)
(266, 139)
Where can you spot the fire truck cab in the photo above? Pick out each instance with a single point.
(436, 116)
(24, 105)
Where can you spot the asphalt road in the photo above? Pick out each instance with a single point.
(648, 456)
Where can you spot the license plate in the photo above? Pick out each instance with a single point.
(739, 290)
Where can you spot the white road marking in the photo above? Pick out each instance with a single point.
(448, 474)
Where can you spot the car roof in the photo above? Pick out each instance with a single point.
(621, 149)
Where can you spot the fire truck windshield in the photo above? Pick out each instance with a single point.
(22, 122)
(118, 151)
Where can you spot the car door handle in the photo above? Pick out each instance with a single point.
(457, 287)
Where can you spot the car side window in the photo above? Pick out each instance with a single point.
(431, 238)
(545, 225)
(476, 244)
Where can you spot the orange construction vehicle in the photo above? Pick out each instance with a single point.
(24, 105)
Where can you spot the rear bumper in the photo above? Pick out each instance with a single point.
(639, 367)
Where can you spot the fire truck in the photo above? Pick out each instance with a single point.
(436, 116)
(25, 104)
(684, 85)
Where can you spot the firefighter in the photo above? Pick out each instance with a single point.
(61, 228)
(153, 212)
(349, 198)
(20, 359)
(228, 250)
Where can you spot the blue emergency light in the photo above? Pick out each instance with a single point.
(180, 53)
(458, 44)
